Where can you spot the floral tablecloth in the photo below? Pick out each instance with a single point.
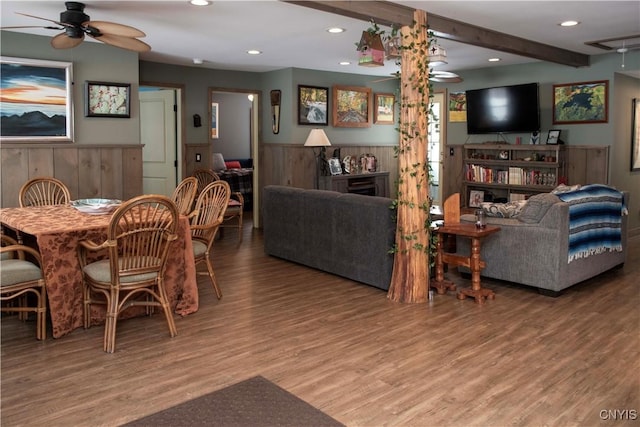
(58, 229)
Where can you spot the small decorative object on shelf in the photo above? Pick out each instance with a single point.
(481, 221)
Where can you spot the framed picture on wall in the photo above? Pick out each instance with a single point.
(312, 105)
(384, 108)
(103, 99)
(584, 102)
(215, 127)
(27, 116)
(351, 106)
(635, 135)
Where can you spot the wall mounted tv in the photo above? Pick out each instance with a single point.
(503, 109)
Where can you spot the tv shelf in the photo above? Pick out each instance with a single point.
(507, 172)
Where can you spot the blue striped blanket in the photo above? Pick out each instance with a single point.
(595, 220)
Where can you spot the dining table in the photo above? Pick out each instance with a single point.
(57, 229)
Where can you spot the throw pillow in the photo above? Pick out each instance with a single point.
(537, 207)
(503, 210)
(233, 164)
(565, 188)
(218, 162)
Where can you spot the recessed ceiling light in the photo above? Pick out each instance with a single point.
(198, 61)
(494, 59)
(200, 2)
(569, 23)
(345, 63)
(254, 52)
(335, 30)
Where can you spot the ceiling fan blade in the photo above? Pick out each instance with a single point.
(31, 26)
(63, 41)
(123, 42)
(115, 29)
(44, 19)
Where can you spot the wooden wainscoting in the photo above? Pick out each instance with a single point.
(109, 171)
(294, 165)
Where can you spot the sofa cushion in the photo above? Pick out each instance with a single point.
(503, 210)
(217, 163)
(536, 207)
(232, 164)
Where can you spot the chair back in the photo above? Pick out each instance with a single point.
(209, 212)
(44, 191)
(139, 235)
(205, 177)
(185, 194)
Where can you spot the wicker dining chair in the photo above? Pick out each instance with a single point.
(185, 194)
(44, 191)
(138, 238)
(234, 214)
(209, 214)
(21, 276)
(204, 177)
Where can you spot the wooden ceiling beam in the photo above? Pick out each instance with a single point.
(389, 14)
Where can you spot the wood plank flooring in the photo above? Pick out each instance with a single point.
(521, 360)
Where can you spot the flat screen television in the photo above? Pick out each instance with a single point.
(504, 109)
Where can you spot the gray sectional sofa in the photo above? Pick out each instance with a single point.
(535, 252)
(345, 234)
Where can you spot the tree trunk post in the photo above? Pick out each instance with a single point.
(410, 278)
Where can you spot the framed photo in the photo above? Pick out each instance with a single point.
(334, 166)
(635, 135)
(476, 198)
(215, 121)
(385, 108)
(36, 103)
(103, 99)
(585, 102)
(312, 105)
(554, 137)
(457, 107)
(351, 106)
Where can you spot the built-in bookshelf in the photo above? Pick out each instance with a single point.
(507, 172)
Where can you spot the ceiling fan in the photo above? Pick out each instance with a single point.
(76, 24)
(435, 76)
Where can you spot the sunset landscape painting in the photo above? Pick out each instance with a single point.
(35, 100)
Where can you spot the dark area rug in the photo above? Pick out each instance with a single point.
(255, 402)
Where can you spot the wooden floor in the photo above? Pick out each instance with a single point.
(520, 360)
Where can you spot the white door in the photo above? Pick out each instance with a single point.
(158, 134)
(436, 141)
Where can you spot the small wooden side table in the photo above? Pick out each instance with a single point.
(473, 261)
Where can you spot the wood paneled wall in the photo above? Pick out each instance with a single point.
(587, 164)
(109, 171)
(116, 171)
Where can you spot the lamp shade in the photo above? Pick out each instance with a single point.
(317, 138)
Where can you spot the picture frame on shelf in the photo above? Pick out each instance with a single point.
(313, 102)
(21, 81)
(553, 138)
(635, 135)
(334, 166)
(384, 113)
(583, 102)
(535, 138)
(476, 197)
(105, 99)
(351, 106)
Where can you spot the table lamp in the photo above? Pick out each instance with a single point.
(317, 138)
